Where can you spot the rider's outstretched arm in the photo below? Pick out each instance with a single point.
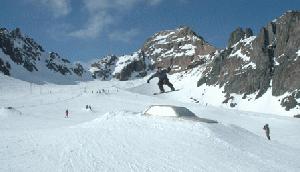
(151, 77)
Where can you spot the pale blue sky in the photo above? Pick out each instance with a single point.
(88, 29)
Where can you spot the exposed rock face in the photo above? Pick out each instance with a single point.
(104, 68)
(254, 64)
(4, 67)
(22, 50)
(286, 52)
(56, 63)
(19, 52)
(136, 66)
(238, 35)
(234, 69)
(180, 47)
(290, 102)
(122, 67)
(78, 69)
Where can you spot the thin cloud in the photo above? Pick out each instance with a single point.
(93, 27)
(58, 31)
(154, 2)
(124, 36)
(58, 8)
(105, 5)
(103, 13)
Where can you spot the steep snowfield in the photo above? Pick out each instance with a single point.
(115, 136)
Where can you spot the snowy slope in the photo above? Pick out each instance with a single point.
(115, 136)
(215, 96)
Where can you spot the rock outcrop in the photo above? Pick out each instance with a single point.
(122, 67)
(21, 50)
(256, 64)
(104, 68)
(238, 35)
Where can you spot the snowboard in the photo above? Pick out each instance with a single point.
(165, 92)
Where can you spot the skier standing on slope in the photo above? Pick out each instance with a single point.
(163, 79)
(267, 129)
(67, 114)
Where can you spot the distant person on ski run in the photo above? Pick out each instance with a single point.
(267, 129)
(163, 79)
(67, 114)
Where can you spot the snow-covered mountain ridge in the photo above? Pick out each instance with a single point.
(180, 48)
(123, 67)
(21, 57)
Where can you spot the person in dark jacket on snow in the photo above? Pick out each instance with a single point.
(267, 129)
(67, 114)
(163, 79)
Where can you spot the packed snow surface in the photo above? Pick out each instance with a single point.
(161, 111)
(115, 136)
(170, 111)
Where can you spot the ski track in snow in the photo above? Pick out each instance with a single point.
(115, 136)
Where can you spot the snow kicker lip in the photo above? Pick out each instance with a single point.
(198, 119)
(174, 112)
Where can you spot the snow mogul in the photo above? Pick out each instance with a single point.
(163, 79)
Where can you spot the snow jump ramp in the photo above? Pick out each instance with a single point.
(174, 111)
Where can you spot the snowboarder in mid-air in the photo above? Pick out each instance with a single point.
(267, 129)
(163, 79)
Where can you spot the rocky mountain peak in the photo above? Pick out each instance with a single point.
(178, 48)
(16, 33)
(183, 31)
(289, 15)
(239, 34)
